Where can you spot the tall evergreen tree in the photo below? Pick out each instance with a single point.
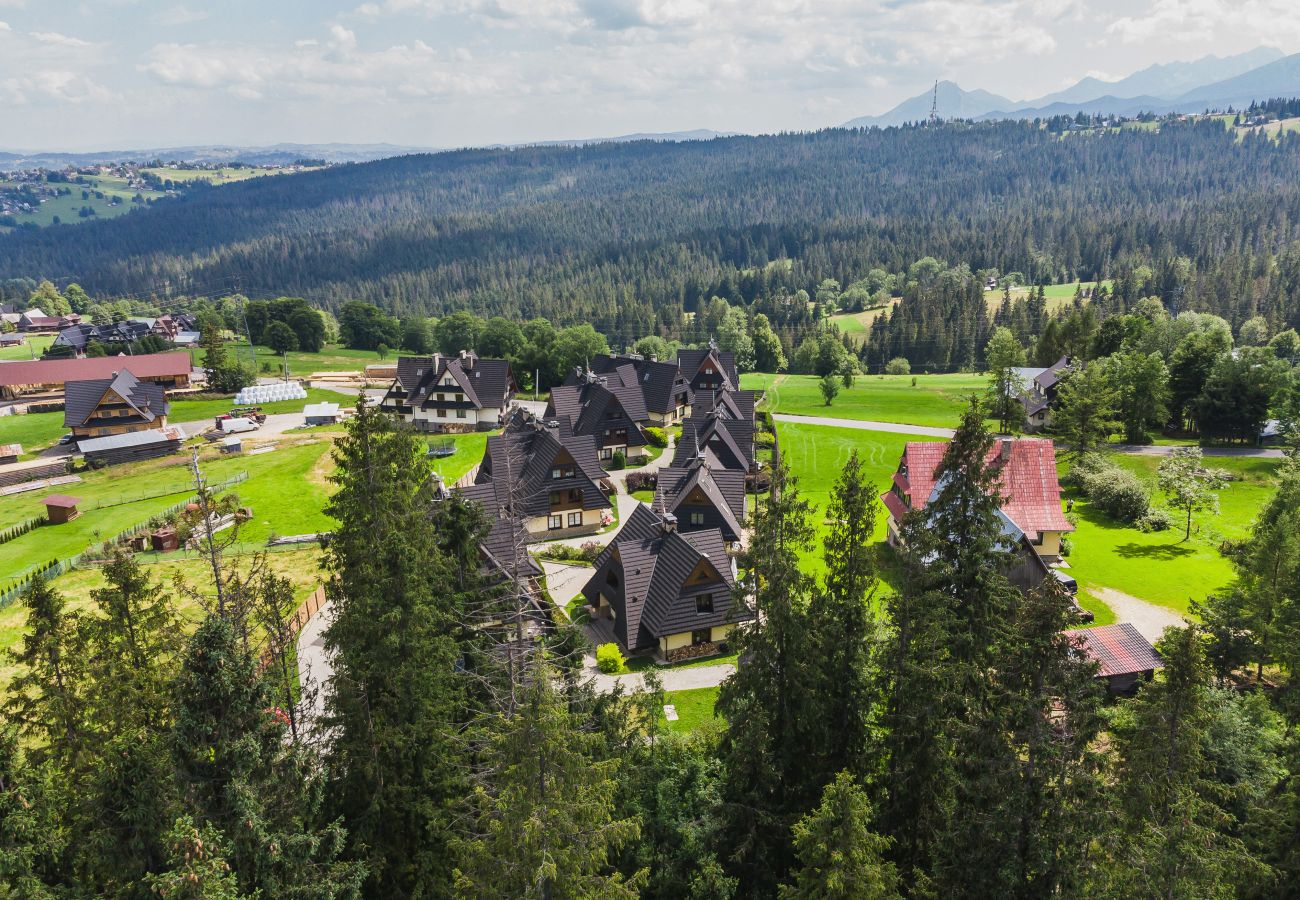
(544, 811)
(840, 858)
(765, 746)
(395, 703)
(1003, 355)
(1084, 417)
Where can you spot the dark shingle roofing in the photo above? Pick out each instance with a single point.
(725, 489)
(1117, 649)
(660, 382)
(655, 564)
(727, 443)
(691, 361)
(519, 461)
(486, 383)
(596, 402)
(146, 399)
(499, 544)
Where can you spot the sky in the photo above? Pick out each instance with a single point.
(137, 74)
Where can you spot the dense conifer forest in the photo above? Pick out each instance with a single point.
(631, 237)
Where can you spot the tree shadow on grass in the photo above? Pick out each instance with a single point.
(1154, 552)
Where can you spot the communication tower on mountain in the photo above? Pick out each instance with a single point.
(934, 105)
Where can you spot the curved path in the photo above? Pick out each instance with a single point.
(1150, 620)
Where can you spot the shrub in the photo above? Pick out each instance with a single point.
(1118, 493)
(642, 481)
(898, 366)
(618, 461)
(764, 440)
(609, 659)
(564, 553)
(655, 437)
(1154, 520)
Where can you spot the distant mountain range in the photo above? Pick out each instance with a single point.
(1209, 82)
(284, 154)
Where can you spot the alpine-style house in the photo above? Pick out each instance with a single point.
(610, 408)
(451, 393)
(662, 590)
(116, 405)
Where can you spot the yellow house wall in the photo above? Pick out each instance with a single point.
(1051, 545)
(672, 642)
(720, 632)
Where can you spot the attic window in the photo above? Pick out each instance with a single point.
(611, 578)
(704, 603)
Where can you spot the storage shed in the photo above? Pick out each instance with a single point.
(132, 446)
(60, 508)
(1122, 654)
(9, 453)
(321, 413)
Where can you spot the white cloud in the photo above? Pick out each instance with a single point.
(52, 85)
(1202, 21)
(53, 37)
(333, 68)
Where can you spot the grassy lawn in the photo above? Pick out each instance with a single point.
(1161, 567)
(694, 708)
(67, 207)
(300, 566)
(1057, 295)
(332, 358)
(816, 455)
(647, 496)
(469, 452)
(936, 400)
(33, 349)
(276, 508)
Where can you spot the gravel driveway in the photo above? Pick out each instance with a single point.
(1150, 620)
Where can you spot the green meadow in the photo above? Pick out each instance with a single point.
(934, 400)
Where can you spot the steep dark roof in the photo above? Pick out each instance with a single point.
(691, 361)
(660, 382)
(146, 399)
(598, 402)
(499, 544)
(724, 488)
(486, 383)
(654, 564)
(726, 443)
(519, 462)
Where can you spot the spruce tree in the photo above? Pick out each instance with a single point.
(1084, 415)
(765, 747)
(237, 774)
(396, 703)
(32, 843)
(840, 858)
(544, 817)
(197, 866)
(842, 620)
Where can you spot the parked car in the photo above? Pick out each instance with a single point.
(67, 439)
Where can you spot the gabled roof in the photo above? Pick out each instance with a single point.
(691, 361)
(499, 544)
(588, 402)
(726, 443)
(131, 439)
(1026, 480)
(518, 462)
(660, 381)
(730, 404)
(62, 371)
(486, 383)
(655, 561)
(146, 399)
(1117, 649)
(724, 488)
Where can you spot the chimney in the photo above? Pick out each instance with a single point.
(668, 524)
(1006, 449)
(466, 359)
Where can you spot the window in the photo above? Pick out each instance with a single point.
(442, 414)
(460, 413)
(555, 498)
(442, 398)
(611, 578)
(704, 603)
(554, 522)
(700, 636)
(697, 518)
(562, 472)
(606, 452)
(575, 519)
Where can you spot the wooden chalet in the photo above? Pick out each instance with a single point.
(665, 396)
(657, 589)
(610, 408)
(451, 393)
(703, 497)
(708, 368)
(116, 405)
(168, 370)
(542, 472)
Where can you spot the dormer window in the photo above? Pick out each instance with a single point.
(704, 603)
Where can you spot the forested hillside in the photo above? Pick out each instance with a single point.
(630, 236)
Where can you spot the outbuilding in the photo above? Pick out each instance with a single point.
(60, 508)
(321, 413)
(1123, 656)
(9, 453)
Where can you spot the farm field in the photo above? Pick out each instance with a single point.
(936, 400)
(223, 175)
(1161, 567)
(33, 349)
(332, 358)
(1057, 295)
(67, 207)
(857, 324)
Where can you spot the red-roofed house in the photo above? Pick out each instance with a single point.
(170, 370)
(1027, 482)
(1122, 654)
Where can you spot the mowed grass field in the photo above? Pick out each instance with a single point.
(935, 400)
(1160, 567)
(32, 349)
(1057, 296)
(223, 175)
(857, 324)
(694, 708)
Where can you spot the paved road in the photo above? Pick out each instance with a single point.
(926, 431)
(673, 679)
(276, 423)
(315, 668)
(564, 581)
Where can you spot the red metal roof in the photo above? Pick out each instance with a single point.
(61, 371)
(1027, 480)
(1117, 649)
(61, 500)
(895, 506)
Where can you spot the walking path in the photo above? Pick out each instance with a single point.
(1150, 620)
(315, 668)
(680, 679)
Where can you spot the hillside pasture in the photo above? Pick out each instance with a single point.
(117, 201)
(935, 400)
(1058, 296)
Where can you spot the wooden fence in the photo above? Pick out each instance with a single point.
(298, 621)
